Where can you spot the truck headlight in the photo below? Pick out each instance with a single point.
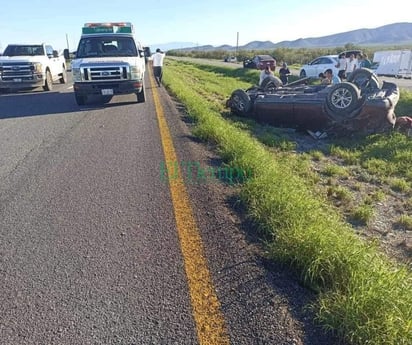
(76, 74)
(135, 72)
(36, 67)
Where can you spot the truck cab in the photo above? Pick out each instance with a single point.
(108, 61)
(28, 66)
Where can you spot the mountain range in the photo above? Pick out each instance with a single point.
(391, 34)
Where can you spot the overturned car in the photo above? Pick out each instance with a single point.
(361, 104)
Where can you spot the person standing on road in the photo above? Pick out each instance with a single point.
(158, 58)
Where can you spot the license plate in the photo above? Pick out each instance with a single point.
(107, 92)
(17, 80)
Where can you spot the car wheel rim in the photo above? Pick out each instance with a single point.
(341, 98)
(238, 103)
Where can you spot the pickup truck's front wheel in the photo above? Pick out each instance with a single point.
(48, 84)
(80, 99)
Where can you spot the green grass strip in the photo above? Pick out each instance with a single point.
(363, 296)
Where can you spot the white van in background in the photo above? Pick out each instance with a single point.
(394, 63)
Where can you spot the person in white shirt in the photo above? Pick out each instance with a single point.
(157, 61)
(351, 65)
(342, 66)
(267, 72)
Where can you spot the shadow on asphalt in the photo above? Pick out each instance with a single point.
(36, 103)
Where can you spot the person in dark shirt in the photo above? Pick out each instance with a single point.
(365, 63)
(284, 73)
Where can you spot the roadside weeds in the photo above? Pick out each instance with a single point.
(363, 296)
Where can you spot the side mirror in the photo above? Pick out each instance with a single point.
(55, 53)
(147, 52)
(66, 54)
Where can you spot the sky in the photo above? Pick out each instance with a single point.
(210, 22)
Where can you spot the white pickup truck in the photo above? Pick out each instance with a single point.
(28, 66)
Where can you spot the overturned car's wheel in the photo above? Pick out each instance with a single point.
(271, 83)
(342, 101)
(364, 78)
(240, 102)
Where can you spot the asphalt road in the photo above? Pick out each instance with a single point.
(89, 245)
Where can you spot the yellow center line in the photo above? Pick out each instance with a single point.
(210, 323)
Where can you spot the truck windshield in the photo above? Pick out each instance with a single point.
(106, 46)
(23, 50)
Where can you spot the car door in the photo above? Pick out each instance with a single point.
(54, 61)
(312, 69)
(322, 64)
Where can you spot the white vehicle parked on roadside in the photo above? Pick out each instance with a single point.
(319, 65)
(394, 63)
(109, 61)
(27, 66)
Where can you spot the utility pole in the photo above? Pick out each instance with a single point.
(67, 42)
(237, 43)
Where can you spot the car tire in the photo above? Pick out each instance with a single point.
(80, 99)
(48, 83)
(106, 99)
(240, 102)
(63, 77)
(364, 78)
(141, 96)
(302, 74)
(342, 101)
(271, 83)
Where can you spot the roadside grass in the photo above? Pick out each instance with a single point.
(363, 296)
(404, 106)
(405, 221)
(247, 75)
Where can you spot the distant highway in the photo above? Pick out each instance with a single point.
(402, 83)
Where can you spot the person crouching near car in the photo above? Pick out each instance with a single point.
(266, 73)
(331, 78)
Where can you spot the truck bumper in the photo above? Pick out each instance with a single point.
(108, 88)
(20, 83)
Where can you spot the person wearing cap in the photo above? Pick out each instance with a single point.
(157, 62)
